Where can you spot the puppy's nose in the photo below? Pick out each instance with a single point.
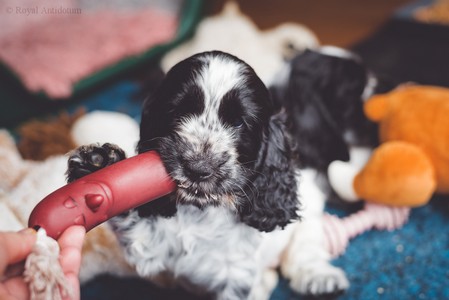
(198, 170)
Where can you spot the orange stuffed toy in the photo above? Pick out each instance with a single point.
(412, 162)
(410, 165)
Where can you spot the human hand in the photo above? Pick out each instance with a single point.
(15, 247)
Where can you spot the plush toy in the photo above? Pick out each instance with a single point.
(233, 32)
(435, 12)
(412, 162)
(40, 139)
(410, 165)
(23, 183)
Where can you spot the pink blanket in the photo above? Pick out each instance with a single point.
(58, 50)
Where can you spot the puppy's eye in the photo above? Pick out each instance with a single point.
(190, 103)
(237, 122)
(233, 117)
(231, 109)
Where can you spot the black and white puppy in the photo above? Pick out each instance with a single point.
(324, 91)
(225, 143)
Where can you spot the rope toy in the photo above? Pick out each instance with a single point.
(339, 231)
(43, 272)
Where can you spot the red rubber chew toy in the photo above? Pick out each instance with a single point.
(106, 193)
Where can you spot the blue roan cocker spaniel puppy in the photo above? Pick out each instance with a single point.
(232, 150)
(224, 142)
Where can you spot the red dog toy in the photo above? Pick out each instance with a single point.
(106, 193)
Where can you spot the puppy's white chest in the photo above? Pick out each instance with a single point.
(191, 240)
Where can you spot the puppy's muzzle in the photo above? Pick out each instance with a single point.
(198, 170)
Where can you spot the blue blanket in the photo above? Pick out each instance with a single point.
(409, 263)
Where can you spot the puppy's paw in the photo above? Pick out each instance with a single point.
(319, 279)
(264, 287)
(90, 158)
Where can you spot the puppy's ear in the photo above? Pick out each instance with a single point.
(319, 139)
(311, 100)
(274, 200)
(153, 114)
(155, 117)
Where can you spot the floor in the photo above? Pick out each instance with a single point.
(340, 23)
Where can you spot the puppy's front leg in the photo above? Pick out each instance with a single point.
(264, 285)
(306, 262)
(90, 158)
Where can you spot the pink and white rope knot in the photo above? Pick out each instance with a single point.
(339, 231)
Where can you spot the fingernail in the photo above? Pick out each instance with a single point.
(27, 231)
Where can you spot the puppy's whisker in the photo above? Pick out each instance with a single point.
(259, 173)
(147, 141)
(248, 162)
(249, 184)
(250, 199)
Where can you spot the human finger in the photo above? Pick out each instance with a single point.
(14, 247)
